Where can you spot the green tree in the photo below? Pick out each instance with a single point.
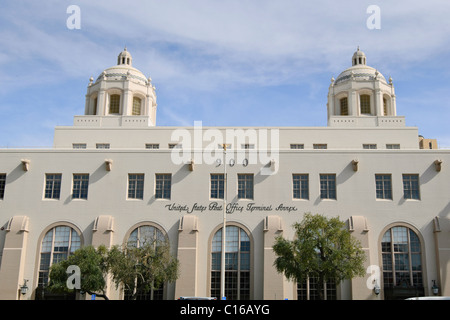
(322, 248)
(140, 269)
(93, 270)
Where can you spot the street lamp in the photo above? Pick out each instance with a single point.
(24, 287)
(435, 288)
(222, 269)
(376, 289)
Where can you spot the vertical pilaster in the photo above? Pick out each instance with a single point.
(187, 256)
(102, 234)
(274, 282)
(442, 243)
(13, 259)
(360, 230)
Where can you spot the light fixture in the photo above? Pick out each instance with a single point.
(435, 288)
(376, 289)
(24, 287)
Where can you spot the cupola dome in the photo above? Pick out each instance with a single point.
(360, 70)
(361, 96)
(124, 58)
(359, 58)
(120, 92)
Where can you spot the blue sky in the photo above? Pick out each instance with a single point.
(225, 63)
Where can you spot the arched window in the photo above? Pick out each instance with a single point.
(365, 103)
(387, 110)
(402, 263)
(145, 235)
(57, 245)
(136, 110)
(237, 264)
(141, 236)
(344, 106)
(114, 104)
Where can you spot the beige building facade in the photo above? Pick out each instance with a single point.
(115, 175)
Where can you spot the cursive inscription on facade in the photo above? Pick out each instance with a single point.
(232, 207)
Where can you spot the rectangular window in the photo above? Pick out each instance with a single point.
(80, 186)
(175, 146)
(245, 186)
(152, 146)
(52, 186)
(217, 186)
(383, 185)
(2, 185)
(102, 145)
(320, 146)
(297, 146)
(248, 146)
(135, 186)
(163, 186)
(226, 145)
(411, 186)
(300, 186)
(369, 146)
(392, 146)
(328, 186)
(79, 145)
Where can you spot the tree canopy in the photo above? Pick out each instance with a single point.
(136, 269)
(140, 269)
(322, 248)
(93, 270)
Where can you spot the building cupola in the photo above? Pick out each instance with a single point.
(120, 96)
(361, 96)
(359, 58)
(124, 58)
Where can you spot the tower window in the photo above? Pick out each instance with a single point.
(114, 103)
(95, 106)
(136, 106)
(365, 104)
(344, 106)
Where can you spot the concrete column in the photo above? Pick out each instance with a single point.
(101, 103)
(13, 260)
(186, 284)
(353, 107)
(379, 103)
(127, 101)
